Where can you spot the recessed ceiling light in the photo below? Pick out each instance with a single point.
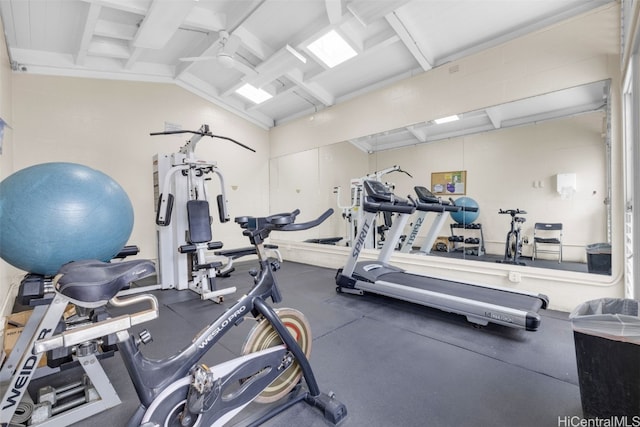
(332, 49)
(446, 119)
(253, 94)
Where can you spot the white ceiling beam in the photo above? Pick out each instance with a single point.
(87, 33)
(409, 41)
(57, 64)
(206, 91)
(139, 7)
(161, 22)
(367, 11)
(245, 69)
(312, 88)
(334, 11)
(361, 145)
(253, 44)
(495, 117)
(134, 55)
(206, 19)
(108, 49)
(419, 133)
(370, 48)
(278, 64)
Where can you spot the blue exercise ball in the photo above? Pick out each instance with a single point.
(469, 213)
(54, 213)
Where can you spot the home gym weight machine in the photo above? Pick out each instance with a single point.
(353, 213)
(184, 233)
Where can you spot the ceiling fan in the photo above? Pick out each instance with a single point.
(227, 46)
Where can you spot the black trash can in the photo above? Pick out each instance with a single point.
(607, 341)
(599, 258)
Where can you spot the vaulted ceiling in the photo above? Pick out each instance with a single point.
(213, 47)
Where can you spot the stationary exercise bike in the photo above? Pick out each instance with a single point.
(513, 243)
(178, 390)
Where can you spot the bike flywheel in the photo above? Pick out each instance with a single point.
(263, 336)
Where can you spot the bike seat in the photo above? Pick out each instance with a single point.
(94, 281)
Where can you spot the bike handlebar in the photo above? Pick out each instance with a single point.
(281, 222)
(306, 225)
(512, 212)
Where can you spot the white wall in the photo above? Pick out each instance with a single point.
(581, 50)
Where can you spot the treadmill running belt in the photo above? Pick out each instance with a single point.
(465, 290)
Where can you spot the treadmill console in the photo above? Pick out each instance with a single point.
(378, 191)
(426, 196)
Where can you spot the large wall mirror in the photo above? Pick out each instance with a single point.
(547, 155)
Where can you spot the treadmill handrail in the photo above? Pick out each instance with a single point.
(434, 207)
(398, 206)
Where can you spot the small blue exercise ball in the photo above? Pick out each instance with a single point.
(466, 216)
(54, 213)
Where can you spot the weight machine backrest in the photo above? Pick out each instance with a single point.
(199, 221)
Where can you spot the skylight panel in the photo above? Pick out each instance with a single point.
(253, 94)
(332, 49)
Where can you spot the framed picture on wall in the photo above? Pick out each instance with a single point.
(449, 183)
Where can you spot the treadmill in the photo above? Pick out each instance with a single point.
(481, 304)
(428, 202)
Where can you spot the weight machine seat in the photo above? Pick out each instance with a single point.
(92, 280)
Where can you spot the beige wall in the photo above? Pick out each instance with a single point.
(581, 50)
(306, 181)
(8, 274)
(106, 124)
(501, 167)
